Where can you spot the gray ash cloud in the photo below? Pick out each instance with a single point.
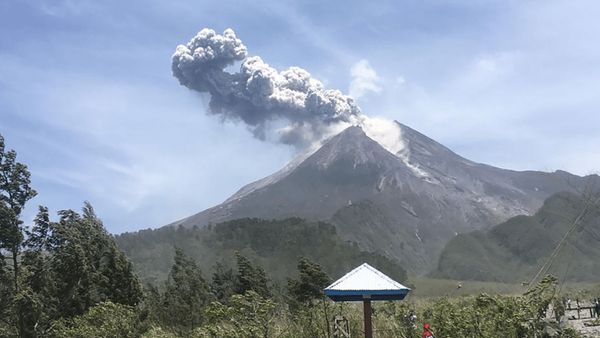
(258, 94)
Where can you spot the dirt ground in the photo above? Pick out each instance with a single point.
(579, 324)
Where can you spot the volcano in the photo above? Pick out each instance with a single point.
(406, 205)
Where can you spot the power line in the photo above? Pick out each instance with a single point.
(590, 200)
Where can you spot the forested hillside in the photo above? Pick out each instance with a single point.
(516, 249)
(276, 245)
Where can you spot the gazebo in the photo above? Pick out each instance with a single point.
(365, 283)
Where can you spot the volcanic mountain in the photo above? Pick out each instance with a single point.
(406, 205)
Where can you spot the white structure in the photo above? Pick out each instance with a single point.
(365, 282)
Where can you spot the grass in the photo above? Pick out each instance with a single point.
(425, 287)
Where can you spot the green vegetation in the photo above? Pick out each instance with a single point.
(58, 269)
(105, 320)
(275, 245)
(251, 315)
(427, 287)
(514, 250)
(185, 295)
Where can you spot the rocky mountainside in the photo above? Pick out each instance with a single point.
(406, 205)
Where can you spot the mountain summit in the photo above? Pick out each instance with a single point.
(406, 205)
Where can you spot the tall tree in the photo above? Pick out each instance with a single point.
(118, 282)
(310, 283)
(223, 282)
(5, 299)
(35, 304)
(251, 277)
(186, 294)
(88, 266)
(303, 293)
(68, 267)
(15, 191)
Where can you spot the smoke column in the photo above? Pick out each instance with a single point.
(290, 102)
(258, 94)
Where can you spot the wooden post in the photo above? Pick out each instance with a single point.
(367, 315)
(341, 328)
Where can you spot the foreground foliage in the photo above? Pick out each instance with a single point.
(251, 315)
(58, 270)
(105, 320)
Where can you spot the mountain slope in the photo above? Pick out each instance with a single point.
(275, 245)
(516, 249)
(418, 198)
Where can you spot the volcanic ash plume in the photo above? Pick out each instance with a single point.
(258, 94)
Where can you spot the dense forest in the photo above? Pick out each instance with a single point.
(67, 277)
(276, 245)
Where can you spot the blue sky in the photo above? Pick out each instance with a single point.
(88, 100)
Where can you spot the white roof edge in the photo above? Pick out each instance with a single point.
(384, 280)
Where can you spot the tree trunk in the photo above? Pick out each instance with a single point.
(326, 318)
(15, 259)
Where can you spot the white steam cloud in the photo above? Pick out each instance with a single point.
(364, 79)
(265, 98)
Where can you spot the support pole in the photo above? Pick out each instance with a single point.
(367, 316)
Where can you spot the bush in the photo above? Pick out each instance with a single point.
(105, 320)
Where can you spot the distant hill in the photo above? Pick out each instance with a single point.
(276, 245)
(516, 249)
(405, 204)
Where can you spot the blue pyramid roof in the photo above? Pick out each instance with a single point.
(365, 282)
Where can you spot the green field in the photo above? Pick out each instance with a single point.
(425, 287)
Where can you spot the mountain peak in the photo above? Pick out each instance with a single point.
(352, 145)
(353, 131)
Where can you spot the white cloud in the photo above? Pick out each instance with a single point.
(364, 79)
(485, 71)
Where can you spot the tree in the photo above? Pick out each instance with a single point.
(223, 282)
(118, 282)
(15, 191)
(5, 299)
(186, 294)
(307, 289)
(35, 303)
(310, 283)
(88, 266)
(68, 267)
(59, 269)
(250, 277)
